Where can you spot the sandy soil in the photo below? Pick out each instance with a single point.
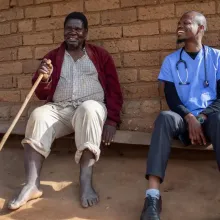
(191, 190)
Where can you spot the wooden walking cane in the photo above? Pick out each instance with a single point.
(28, 97)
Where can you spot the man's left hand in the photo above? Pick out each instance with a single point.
(108, 134)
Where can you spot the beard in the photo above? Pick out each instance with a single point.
(179, 41)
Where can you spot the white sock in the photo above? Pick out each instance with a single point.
(153, 193)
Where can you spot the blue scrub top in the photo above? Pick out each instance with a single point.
(195, 97)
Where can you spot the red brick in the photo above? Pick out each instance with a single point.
(25, 26)
(141, 108)
(15, 109)
(150, 28)
(4, 4)
(14, 27)
(132, 108)
(119, 16)
(212, 39)
(25, 53)
(141, 59)
(150, 106)
(10, 68)
(49, 24)
(25, 2)
(13, 3)
(213, 23)
(168, 1)
(139, 124)
(67, 7)
(11, 14)
(164, 105)
(5, 29)
(41, 38)
(4, 111)
(127, 75)
(37, 12)
(149, 75)
(161, 89)
(202, 7)
(45, 1)
(140, 91)
(6, 82)
(101, 5)
(105, 33)
(168, 25)
(131, 3)
(121, 45)
(58, 36)
(218, 7)
(158, 43)
(93, 18)
(117, 60)
(24, 82)
(30, 66)
(40, 52)
(156, 12)
(8, 54)
(10, 41)
(24, 94)
(9, 96)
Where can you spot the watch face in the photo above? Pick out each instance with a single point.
(201, 120)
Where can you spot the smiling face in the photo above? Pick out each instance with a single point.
(188, 28)
(75, 33)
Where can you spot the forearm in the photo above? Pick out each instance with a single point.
(173, 100)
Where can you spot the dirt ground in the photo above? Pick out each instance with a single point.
(191, 190)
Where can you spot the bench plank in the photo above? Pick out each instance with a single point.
(121, 137)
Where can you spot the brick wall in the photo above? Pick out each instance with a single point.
(138, 34)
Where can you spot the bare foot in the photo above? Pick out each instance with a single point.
(28, 193)
(88, 196)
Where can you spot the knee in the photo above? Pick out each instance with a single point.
(38, 114)
(88, 108)
(164, 118)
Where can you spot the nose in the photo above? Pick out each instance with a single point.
(179, 25)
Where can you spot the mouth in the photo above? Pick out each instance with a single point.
(72, 39)
(180, 32)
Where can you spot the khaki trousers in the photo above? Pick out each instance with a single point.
(51, 121)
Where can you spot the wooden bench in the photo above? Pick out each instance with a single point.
(121, 137)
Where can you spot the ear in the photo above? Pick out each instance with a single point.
(86, 33)
(202, 28)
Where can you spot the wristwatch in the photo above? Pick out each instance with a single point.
(200, 119)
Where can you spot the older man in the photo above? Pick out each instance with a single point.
(192, 90)
(83, 96)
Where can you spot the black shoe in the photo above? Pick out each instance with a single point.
(152, 208)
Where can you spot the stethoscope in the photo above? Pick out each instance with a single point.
(206, 82)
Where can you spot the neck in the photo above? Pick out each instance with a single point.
(193, 47)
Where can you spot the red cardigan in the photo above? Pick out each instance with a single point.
(106, 73)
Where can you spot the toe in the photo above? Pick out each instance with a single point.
(84, 203)
(90, 201)
(13, 205)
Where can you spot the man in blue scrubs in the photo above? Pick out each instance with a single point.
(192, 91)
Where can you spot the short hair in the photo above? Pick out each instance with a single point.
(199, 18)
(79, 16)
